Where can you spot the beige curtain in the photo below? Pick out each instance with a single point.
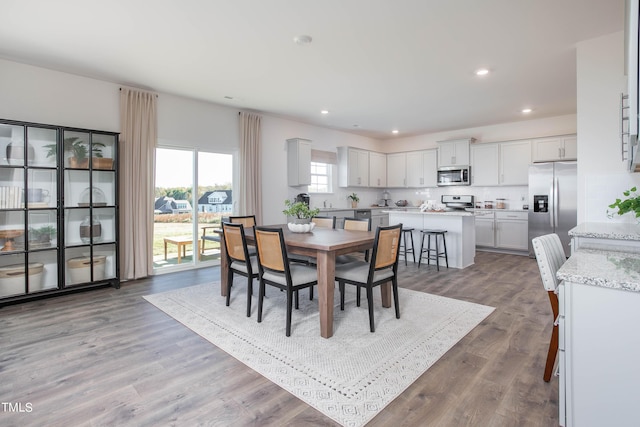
(250, 197)
(138, 122)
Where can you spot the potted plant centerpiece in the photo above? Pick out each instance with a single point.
(354, 200)
(301, 215)
(79, 151)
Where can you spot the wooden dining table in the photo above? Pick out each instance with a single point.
(324, 244)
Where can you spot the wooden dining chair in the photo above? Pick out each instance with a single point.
(550, 257)
(383, 268)
(239, 259)
(324, 221)
(275, 270)
(361, 224)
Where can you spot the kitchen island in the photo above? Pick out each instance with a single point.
(460, 236)
(598, 320)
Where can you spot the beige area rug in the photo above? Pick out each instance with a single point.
(350, 377)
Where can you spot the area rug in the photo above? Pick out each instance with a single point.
(350, 377)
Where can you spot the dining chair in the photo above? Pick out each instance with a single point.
(550, 257)
(382, 268)
(275, 270)
(248, 221)
(239, 259)
(361, 224)
(324, 221)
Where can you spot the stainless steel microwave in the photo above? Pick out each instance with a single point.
(454, 175)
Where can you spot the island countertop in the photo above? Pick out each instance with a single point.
(418, 212)
(603, 268)
(607, 230)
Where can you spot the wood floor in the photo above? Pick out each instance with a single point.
(109, 358)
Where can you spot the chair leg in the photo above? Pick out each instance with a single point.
(394, 284)
(310, 293)
(341, 287)
(370, 304)
(444, 244)
(413, 248)
(289, 303)
(229, 283)
(421, 250)
(358, 295)
(260, 299)
(435, 236)
(551, 355)
(249, 293)
(296, 299)
(404, 248)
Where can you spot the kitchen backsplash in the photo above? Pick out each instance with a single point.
(515, 197)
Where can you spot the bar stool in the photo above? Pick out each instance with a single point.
(433, 254)
(403, 244)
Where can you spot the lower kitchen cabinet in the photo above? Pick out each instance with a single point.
(379, 220)
(507, 230)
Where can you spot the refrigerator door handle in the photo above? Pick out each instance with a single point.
(556, 196)
(552, 205)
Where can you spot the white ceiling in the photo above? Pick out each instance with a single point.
(377, 64)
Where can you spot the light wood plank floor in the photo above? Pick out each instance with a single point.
(109, 358)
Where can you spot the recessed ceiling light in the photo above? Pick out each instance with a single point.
(526, 110)
(302, 39)
(395, 131)
(482, 72)
(324, 112)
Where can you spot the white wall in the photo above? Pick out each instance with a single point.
(602, 175)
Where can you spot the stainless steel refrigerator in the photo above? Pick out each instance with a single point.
(553, 189)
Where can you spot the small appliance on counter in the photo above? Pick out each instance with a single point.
(457, 203)
(386, 198)
(303, 197)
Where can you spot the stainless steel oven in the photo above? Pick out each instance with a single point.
(454, 175)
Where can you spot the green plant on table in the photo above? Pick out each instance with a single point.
(299, 210)
(630, 204)
(354, 197)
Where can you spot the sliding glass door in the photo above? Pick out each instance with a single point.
(184, 219)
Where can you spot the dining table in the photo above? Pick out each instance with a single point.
(323, 244)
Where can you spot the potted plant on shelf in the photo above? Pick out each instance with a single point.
(354, 200)
(630, 204)
(79, 151)
(42, 236)
(301, 215)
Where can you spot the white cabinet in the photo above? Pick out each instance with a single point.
(485, 235)
(298, 162)
(484, 164)
(454, 152)
(397, 170)
(556, 148)
(353, 167)
(377, 169)
(422, 167)
(515, 158)
(499, 229)
(512, 230)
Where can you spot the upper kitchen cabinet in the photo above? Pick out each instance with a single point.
(555, 148)
(485, 159)
(298, 162)
(422, 168)
(515, 158)
(397, 170)
(454, 152)
(377, 169)
(353, 167)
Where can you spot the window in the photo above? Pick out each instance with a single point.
(320, 178)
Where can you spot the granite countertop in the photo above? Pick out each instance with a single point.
(418, 212)
(607, 269)
(496, 210)
(607, 230)
(376, 208)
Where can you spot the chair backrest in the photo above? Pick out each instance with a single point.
(272, 251)
(324, 221)
(235, 242)
(550, 256)
(247, 221)
(386, 247)
(362, 224)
